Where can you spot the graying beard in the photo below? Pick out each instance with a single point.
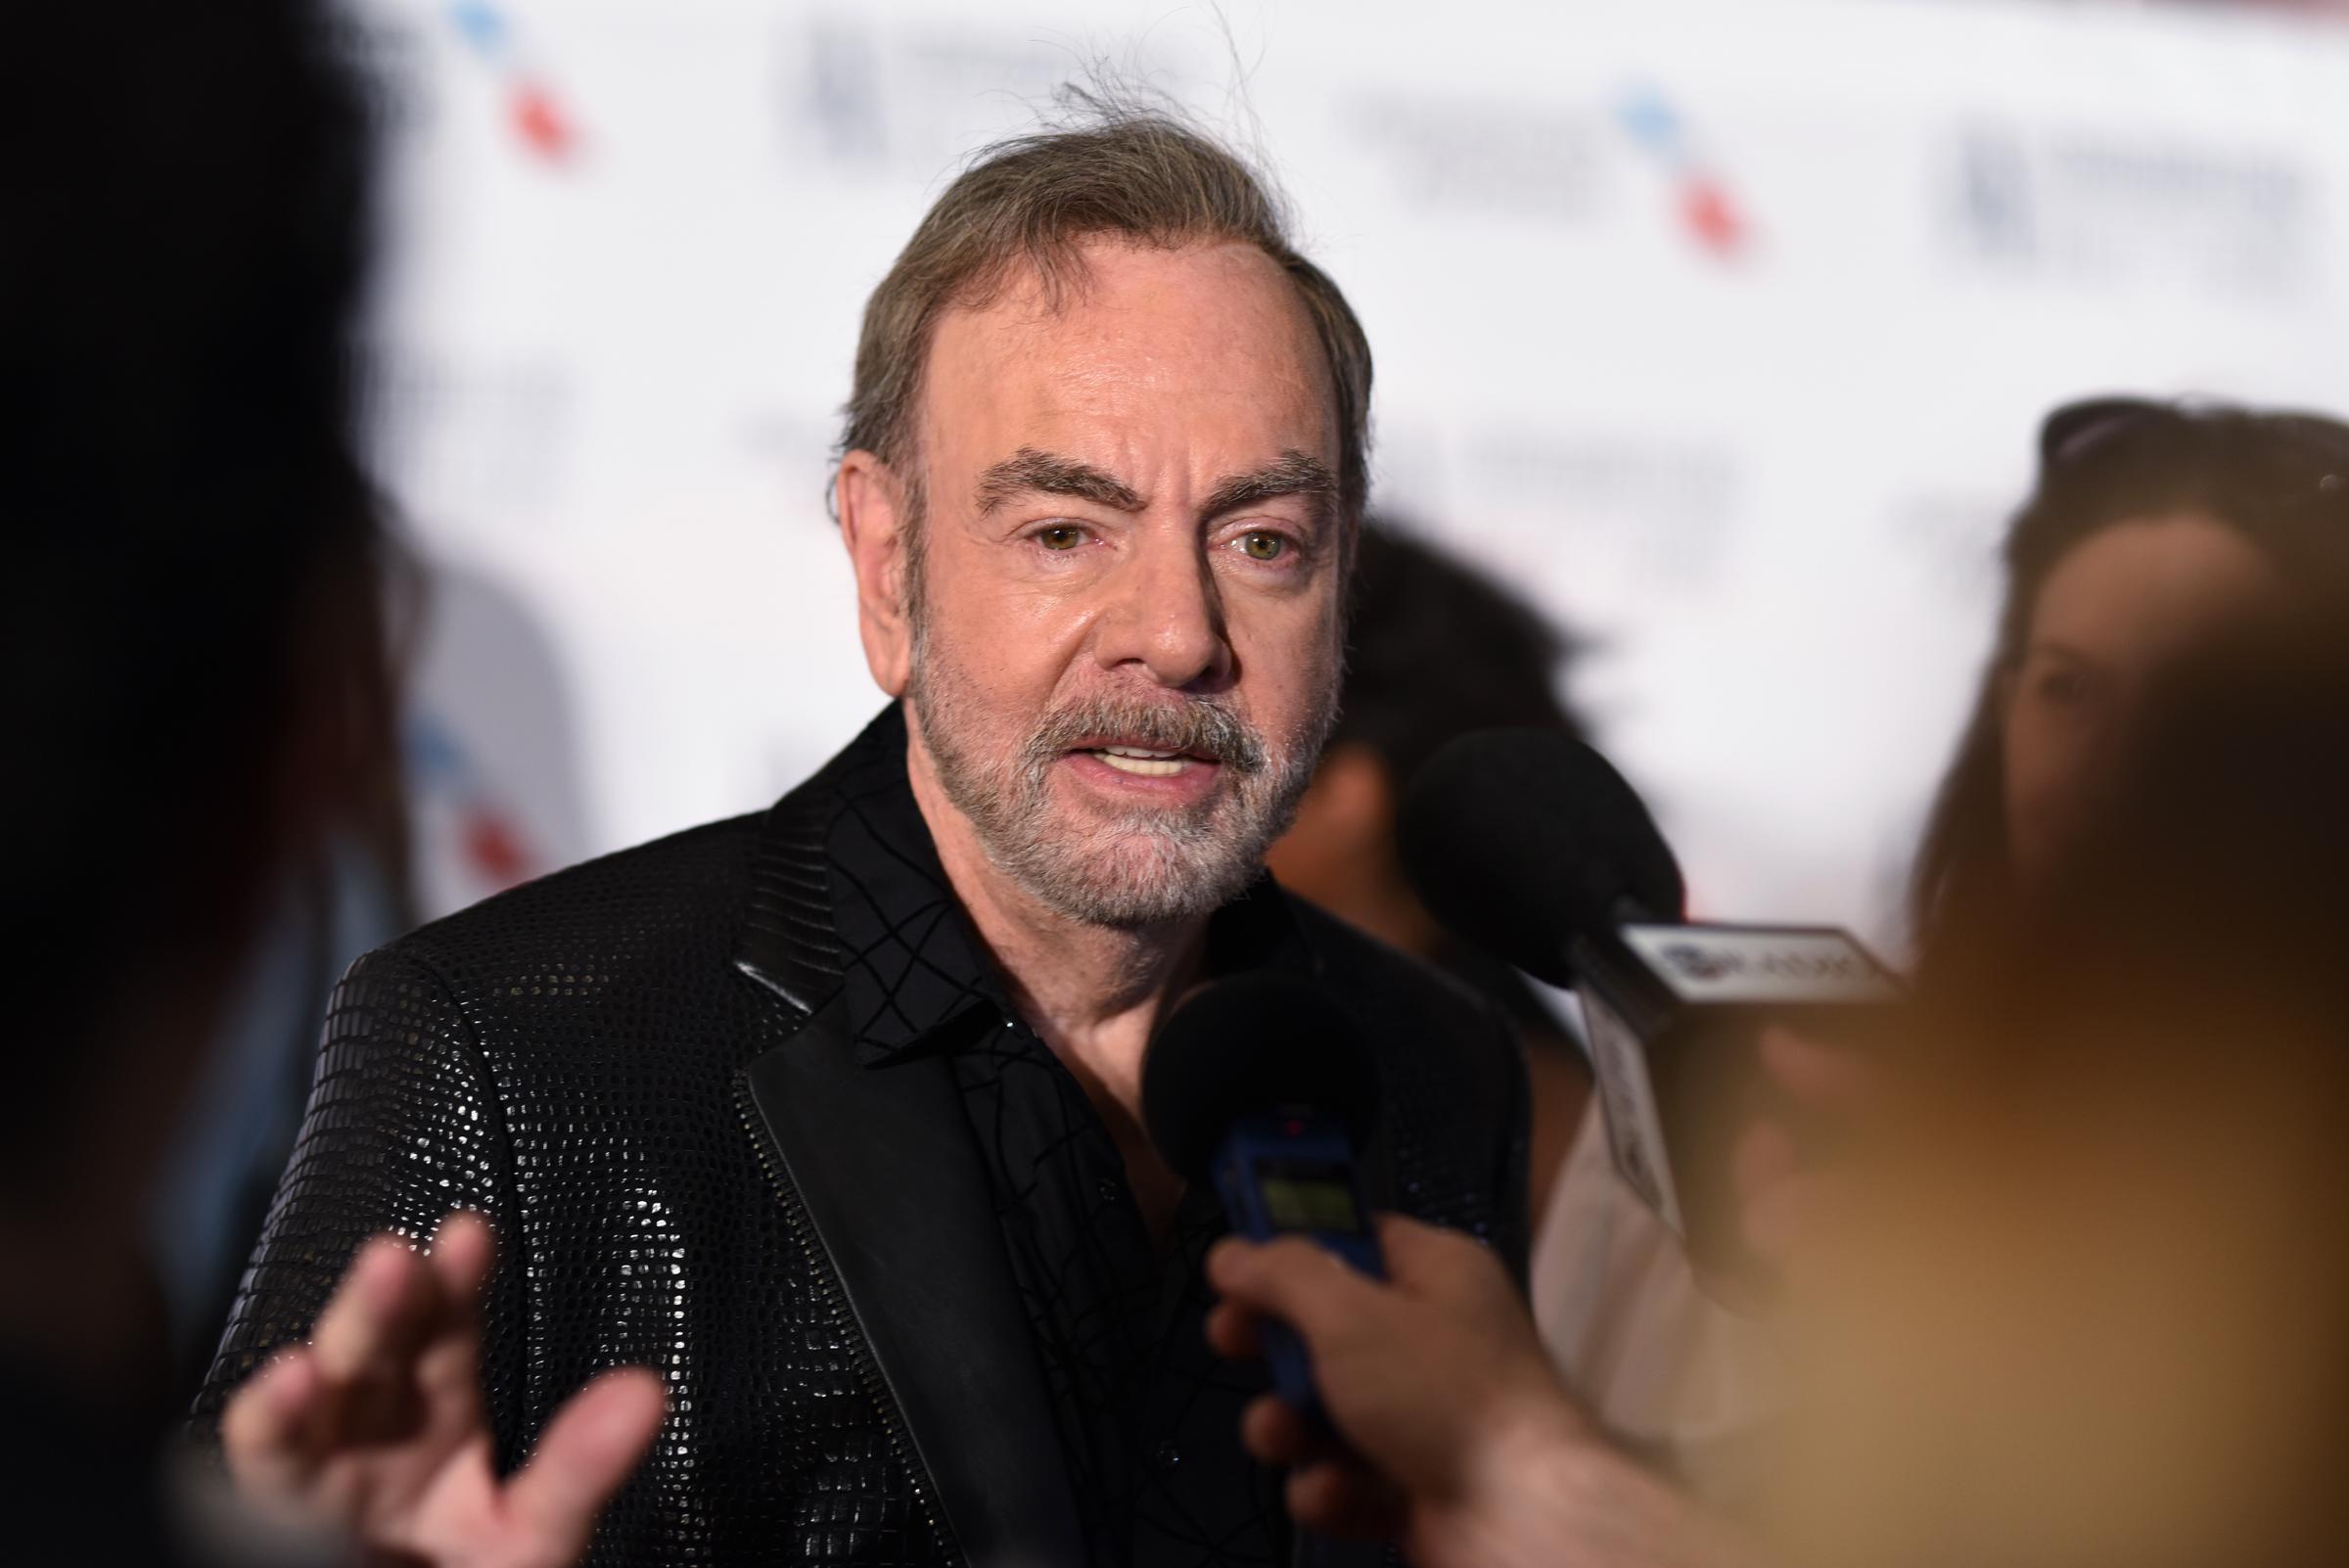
(1183, 875)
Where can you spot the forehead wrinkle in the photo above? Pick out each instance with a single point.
(1029, 471)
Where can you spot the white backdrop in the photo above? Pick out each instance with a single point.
(1721, 328)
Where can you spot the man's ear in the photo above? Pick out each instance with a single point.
(873, 518)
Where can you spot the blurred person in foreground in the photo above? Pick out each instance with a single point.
(829, 1114)
(2151, 526)
(2077, 1298)
(193, 668)
(1436, 649)
(2098, 1234)
(2154, 527)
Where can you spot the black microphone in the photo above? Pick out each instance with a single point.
(1521, 839)
(1529, 843)
(1259, 1085)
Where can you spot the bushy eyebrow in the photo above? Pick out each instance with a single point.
(1028, 471)
(1291, 473)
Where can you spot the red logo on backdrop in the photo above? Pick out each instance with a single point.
(1709, 216)
(533, 109)
(495, 850)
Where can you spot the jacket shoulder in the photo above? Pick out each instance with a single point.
(659, 917)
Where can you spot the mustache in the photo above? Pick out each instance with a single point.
(1197, 725)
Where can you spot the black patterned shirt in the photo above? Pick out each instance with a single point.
(1148, 1417)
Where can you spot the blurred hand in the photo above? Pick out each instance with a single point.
(1462, 1441)
(377, 1427)
(1781, 1192)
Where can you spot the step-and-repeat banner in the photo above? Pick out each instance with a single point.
(1721, 330)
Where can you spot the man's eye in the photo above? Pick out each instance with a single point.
(1060, 537)
(1263, 547)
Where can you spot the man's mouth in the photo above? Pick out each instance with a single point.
(1141, 761)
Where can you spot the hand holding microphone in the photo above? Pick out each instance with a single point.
(1434, 1379)
(1461, 1441)
(1260, 1086)
(1781, 1194)
(1414, 1400)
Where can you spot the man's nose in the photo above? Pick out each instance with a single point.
(1167, 618)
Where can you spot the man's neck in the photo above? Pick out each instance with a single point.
(1092, 993)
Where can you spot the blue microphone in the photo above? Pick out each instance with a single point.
(1259, 1085)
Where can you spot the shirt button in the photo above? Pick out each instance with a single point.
(1167, 1456)
(1108, 1187)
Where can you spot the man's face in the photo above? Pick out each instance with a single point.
(1126, 625)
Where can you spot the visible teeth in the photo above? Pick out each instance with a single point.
(1146, 764)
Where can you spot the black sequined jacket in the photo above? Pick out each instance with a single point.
(646, 1071)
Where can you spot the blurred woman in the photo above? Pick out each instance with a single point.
(2102, 1279)
(2085, 1307)
(2153, 530)
(2152, 526)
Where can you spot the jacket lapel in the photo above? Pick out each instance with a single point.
(885, 1161)
(877, 1147)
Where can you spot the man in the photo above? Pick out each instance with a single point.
(829, 1114)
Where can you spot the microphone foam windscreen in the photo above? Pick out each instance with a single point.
(1254, 1043)
(1521, 839)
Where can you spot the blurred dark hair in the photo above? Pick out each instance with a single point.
(2279, 479)
(1437, 649)
(192, 653)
